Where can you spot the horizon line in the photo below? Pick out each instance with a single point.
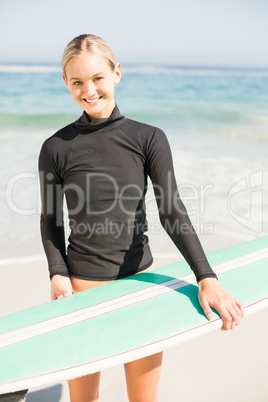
(141, 64)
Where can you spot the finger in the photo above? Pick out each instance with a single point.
(241, 308)
(227, 321)
(239, 314)
(236, 316)
(231, 317)
(206, 308)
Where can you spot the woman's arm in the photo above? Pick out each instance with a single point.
(176, 222)
(172, 212)
(52, 225)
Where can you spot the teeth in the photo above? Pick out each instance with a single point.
(92, 100)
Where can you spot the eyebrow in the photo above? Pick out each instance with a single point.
(77, 79)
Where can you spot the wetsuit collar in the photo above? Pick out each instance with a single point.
(85, 124)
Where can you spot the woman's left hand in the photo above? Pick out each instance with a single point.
(212, 295)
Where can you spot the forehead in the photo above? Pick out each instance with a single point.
(87, 64)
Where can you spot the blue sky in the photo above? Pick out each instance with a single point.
(183, 32)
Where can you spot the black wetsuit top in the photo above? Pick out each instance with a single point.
(102, 167)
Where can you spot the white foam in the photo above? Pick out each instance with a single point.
(199, 71)
(145, 69)
(13, 68)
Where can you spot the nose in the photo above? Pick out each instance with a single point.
(89, 89)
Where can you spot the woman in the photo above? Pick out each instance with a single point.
(101, 163)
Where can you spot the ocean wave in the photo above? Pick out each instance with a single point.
(194, 71)
(246, 132)
(9, 121)
(221, 122)
(147, 69)
(14, 68)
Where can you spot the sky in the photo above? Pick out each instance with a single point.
(179, 32)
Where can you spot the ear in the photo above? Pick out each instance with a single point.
(65, 80)
(117, 73)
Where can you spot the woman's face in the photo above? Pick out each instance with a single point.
(91, 81)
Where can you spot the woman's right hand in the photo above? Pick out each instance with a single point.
(60, 287)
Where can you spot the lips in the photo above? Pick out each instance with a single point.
(92, 101)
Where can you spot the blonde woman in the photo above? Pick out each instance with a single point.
(101, 163)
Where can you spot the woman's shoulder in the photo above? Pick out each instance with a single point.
(61, 139)
(143, 130)
(138, 125)
(149, 137)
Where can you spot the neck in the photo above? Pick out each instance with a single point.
(104, 114)
(87, 124)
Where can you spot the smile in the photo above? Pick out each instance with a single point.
(93, 101)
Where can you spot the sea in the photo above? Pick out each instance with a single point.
(215, 118)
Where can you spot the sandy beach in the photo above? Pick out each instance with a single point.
(218, 367)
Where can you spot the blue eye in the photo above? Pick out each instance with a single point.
(77, 83)
(98, 78)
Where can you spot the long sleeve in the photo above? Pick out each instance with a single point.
(172, 212)
(52, 226)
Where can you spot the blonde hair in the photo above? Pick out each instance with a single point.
(90, 43)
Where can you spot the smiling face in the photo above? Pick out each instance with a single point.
(91, 81)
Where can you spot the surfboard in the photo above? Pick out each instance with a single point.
(124, 320)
